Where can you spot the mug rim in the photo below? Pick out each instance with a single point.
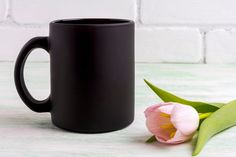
(92, 22)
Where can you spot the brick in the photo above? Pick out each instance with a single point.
(220, 46)
(12, 39)
(188, 12)
(3, 9)
(44, 11)
(172, 45)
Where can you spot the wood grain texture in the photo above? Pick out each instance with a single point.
(28, 134)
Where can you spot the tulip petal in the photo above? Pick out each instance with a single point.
(156, 124)
(178, 138)
(154, 107)
(171, 123)
(155, 121)
(167, 109)
(185, 119)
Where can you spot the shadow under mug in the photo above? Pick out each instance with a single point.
(92, 74)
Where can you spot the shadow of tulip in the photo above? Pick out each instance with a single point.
(142, 140)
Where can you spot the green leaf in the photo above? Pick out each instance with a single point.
(201, 107)
(151, 139)
(219, 105)
(218, 121)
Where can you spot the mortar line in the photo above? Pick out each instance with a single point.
(138, 12)
(9, 11)
(204, 47)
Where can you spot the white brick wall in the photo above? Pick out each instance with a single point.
(221, 46)
(168, 45)
(3, 9)
(167, 31)
(188, 11)
(13, 38)
(44, 11)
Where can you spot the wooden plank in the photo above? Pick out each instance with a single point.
(25, 133)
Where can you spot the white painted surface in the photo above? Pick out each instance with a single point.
(221, 46)
(188, 12)
(26, 133)
(44, 11)
(179, 45)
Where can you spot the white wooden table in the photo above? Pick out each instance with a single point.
(25, 133)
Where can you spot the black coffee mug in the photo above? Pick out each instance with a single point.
(92, 74)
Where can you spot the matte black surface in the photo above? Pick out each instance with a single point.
(92, 74)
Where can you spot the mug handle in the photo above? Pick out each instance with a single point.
(33, 104)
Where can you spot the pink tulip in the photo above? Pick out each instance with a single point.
(172, 123)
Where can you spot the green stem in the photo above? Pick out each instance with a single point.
(151, 139)
(204, 115)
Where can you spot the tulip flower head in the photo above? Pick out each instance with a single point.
(172, 123)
